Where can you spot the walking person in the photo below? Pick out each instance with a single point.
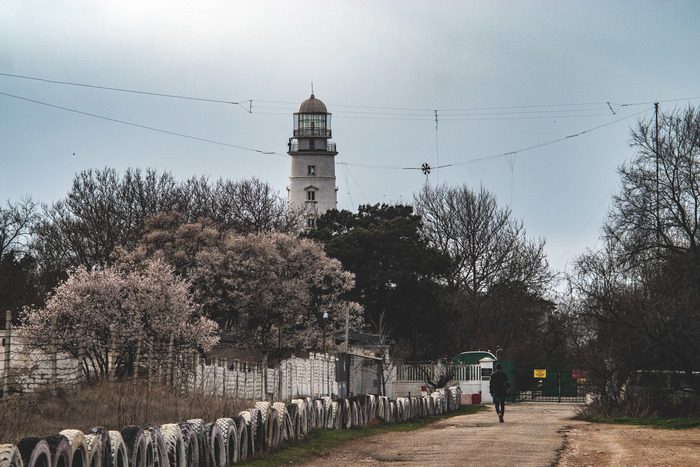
(499, 389)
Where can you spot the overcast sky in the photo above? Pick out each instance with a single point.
(534, 99)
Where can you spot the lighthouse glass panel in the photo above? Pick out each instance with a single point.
(312, 125)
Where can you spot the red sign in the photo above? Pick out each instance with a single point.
(578, 374)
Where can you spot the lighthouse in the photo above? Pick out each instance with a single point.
(312, 186)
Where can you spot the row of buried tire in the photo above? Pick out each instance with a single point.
(223, 442)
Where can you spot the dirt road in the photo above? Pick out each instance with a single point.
(533, 435)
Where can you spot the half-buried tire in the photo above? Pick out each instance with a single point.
(60, 450)
(242, 428)
(217, 449)
(135, 443)
(118, 455)
(191, 441)
(198, 425)
(229, 431)
(174, 445)
(78, 446)
(10, 456)
(94, 450)
(34, 452)
(150, 449)
(160, 455)
(105, 446)
(274, 435)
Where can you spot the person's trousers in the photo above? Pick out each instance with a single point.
(500, 403)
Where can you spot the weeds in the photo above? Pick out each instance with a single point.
(110, 404)
(657, 409)
(667, 423)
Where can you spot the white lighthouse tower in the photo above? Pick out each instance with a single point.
(312, 173)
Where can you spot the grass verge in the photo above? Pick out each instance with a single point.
(661, 423)
(318, 442)
(109, 404)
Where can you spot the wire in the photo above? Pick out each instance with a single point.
(106, 88)
(529, 148)
(354, 180)
(523, 112)
(603, 105)
(606, 197)
(344, 174)
(123, 122)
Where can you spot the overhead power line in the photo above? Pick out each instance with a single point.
(529, 148)
(536, 111)
(107, 88)
(540, 111)
(145, 127)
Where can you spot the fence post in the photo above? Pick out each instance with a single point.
(54, 357)
(194, 371)
(224, 365)
(263, 396)
(202, 363)
(245, 384)
(169, 369)
(215, 375)
(237, 367)
(7, 343)
(278, 386)
(111, 360)
(311, 376)
(81, 350)
(151, 363)
(137, 363)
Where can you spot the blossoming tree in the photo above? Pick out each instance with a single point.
(134, 315)
(271, 288)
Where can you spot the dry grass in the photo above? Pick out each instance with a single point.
(110, 404)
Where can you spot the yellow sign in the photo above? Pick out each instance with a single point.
(540, 374)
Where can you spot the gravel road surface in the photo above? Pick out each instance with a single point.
(532, 435)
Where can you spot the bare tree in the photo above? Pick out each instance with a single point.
(499, 276)
(17, 266)
(486, 244)
(105, 210)
(252, 206)
(658, 208)
(101, 212)
(16, 223)
(641, 293)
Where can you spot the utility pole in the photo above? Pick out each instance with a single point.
(658, 220)
(437, 148)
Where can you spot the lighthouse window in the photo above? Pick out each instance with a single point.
(312, 125)
(311, 195)
(311, 223)
(312, 169)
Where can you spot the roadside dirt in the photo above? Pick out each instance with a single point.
(594, 444)
(533, 434)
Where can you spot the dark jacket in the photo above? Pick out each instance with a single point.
(499, 383)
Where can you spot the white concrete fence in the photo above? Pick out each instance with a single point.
(291, 378)
(30, 370)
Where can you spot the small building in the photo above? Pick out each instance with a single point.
(472, 357)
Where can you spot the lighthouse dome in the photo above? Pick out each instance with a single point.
(312, 106)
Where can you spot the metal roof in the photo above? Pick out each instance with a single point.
(312, 106)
